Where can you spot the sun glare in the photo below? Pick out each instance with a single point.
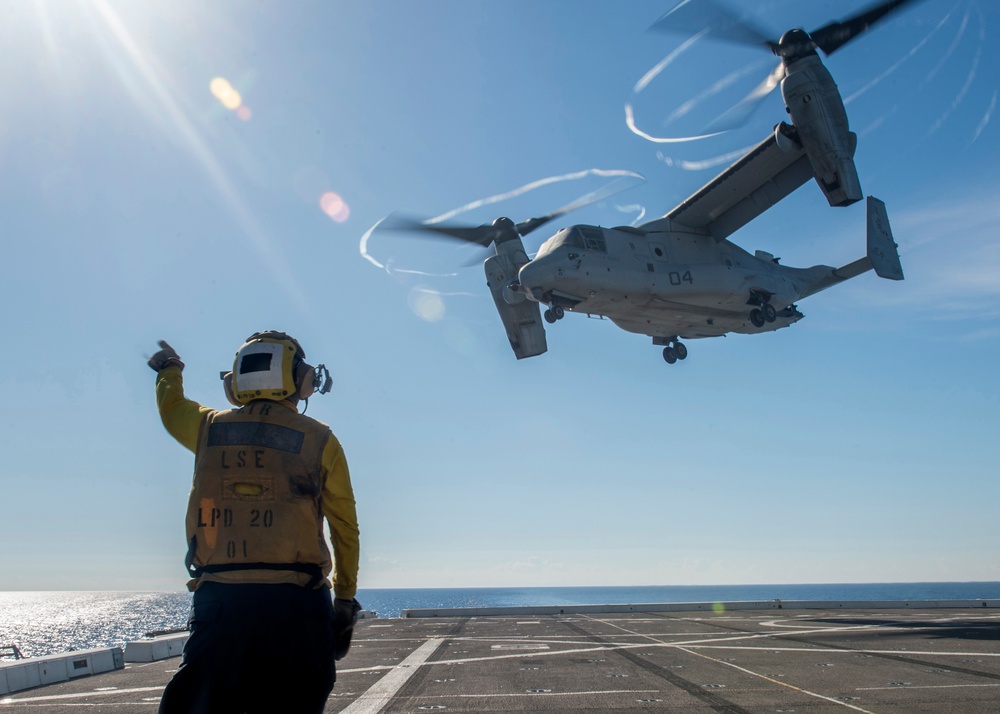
(158, 91)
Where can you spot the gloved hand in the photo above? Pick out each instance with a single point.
(166, 357)
(345, 614)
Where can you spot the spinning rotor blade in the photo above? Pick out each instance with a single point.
(616, 186)
(737, 115)
(502, 228)
(696, 16)
(480, 235)
(721, 23)
(832, 37)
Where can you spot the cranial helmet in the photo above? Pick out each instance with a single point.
(271, 365)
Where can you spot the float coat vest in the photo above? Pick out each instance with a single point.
(255, 513)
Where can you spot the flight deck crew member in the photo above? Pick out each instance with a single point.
(264, 631)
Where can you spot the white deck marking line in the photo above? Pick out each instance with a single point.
(79, 695)
(706, 644)
(757, 675)
(652, 638)
(895, 624)
(512, 695)
(626, 646)
(925, 686)
(381, 693)
(692, 643)
(777, 681)
(750, 636)
(824, 650)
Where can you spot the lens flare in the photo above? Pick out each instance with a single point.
(334, 206)
(224, 92)
(427, 304)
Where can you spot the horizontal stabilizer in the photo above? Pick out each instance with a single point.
(882, 249)
(882, 255)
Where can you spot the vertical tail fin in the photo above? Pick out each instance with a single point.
(882, 250)
(882, 255)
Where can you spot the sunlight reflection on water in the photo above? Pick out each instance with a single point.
(42, 623)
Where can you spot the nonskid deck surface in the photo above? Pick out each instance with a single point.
(861, 660)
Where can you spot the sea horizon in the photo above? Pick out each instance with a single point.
(41, 622)
(553, 587)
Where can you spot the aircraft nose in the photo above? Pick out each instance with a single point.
(529, 275)
(536, 277)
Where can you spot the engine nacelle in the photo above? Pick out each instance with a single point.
(522, 318)
(817, 111)
(786, 138)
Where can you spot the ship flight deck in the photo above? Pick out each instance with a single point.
(703, 657)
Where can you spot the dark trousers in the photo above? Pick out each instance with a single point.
(254, 649)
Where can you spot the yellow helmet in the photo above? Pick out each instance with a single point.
(271, 365)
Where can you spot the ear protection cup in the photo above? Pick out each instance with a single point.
(227, 386)
(305, 378)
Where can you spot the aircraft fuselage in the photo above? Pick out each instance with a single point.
(668, 284)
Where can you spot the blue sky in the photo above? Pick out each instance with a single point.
(140, 202)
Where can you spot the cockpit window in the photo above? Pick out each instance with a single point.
(591, 238)
(586, 237)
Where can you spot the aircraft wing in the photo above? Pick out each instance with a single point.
(758, 180)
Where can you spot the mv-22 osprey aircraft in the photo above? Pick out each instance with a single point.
(678, 277)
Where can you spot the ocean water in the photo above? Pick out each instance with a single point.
(41, 623)
(389, 603)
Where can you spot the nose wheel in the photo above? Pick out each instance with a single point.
(674, 351)
(553, 314)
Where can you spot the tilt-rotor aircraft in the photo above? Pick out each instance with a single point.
(678, 276)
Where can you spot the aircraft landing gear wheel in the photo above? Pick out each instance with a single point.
(757, 318)
(670, 355)
(558, 312)
(549, 316)
(681, 350)
(768, 311)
